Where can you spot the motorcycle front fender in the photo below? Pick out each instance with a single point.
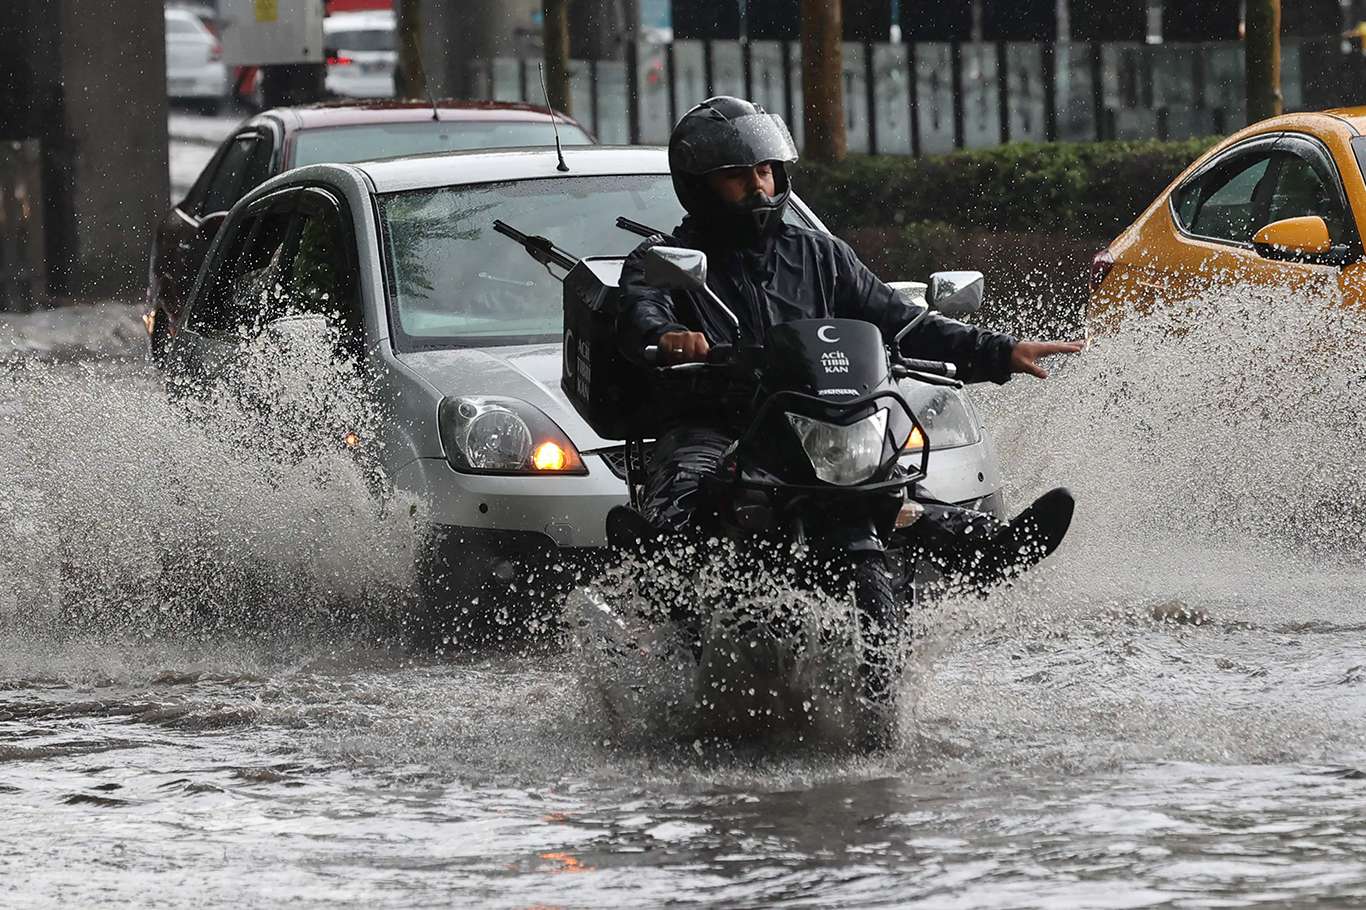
(858, 537)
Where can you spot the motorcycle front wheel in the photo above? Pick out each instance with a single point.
(879, 617)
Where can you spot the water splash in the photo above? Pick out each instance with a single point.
(1218, 441)
(1214, 448)
(727, 640)
(124, 509)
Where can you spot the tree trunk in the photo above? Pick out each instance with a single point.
(410, 76)
(1262, 50)
(555, 15)
(823, 81)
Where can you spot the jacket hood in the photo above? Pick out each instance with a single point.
(530, 373)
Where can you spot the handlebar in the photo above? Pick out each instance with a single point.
(719, 355)
(933, 372)
(933, 367)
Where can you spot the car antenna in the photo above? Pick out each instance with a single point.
(426, 83)
(540, 71)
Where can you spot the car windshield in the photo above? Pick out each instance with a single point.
(456, 282)
(392, 140)
(370, 39)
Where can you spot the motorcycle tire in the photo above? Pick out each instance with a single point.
(880, 621)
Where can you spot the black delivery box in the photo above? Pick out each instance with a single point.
(609, 392)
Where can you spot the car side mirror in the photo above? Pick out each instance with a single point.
(1302, 239)
(675, 268)
(956, 294)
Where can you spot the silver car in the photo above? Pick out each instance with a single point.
(194, 59)
(361, 54)
(458, 331)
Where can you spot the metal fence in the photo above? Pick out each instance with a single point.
(924, 98)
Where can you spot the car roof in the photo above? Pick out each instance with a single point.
(185, 13)
(1352, 120)
(455, 168)
(1354, 116)
(356, 113)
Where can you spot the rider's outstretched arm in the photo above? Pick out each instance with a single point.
(859, 294)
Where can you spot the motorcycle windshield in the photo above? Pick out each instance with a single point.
(835, 359)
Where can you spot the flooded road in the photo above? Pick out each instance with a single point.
(204, 700)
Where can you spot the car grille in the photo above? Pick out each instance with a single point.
(616, 458)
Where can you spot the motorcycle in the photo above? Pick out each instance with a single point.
(814, 480)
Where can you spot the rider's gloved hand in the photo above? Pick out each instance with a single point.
(683, 347)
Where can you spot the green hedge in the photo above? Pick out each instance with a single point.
(1092, 189)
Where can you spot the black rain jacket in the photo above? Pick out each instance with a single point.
(797, 274)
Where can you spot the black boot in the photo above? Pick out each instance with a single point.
(1024, 541)
(985, 551)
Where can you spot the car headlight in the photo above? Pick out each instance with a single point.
(842, 455)
(946, 415)
(504, 436)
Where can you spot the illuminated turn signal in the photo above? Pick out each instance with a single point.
(915, 441)
(549, 457)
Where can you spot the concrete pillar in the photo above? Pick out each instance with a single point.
(91, 88)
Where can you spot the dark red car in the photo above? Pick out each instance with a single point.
(277, 140)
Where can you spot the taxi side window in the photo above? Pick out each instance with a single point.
(1228, 201)
(1300, 191)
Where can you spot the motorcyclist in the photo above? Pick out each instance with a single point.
(729, 159)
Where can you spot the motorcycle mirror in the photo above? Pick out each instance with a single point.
(912, 292)
(956, 294)
(676, 268)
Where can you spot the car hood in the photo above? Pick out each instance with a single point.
(527, 372)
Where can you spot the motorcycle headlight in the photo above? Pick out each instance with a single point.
(504, 436)
(842, 455)
(945, 413)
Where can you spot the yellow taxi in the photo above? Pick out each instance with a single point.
(1277, 205)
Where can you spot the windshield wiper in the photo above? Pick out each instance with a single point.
(641, 230)
(542, 249)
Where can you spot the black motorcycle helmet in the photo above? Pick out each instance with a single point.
(724, 132)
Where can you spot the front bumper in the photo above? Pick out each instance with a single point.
(967, 476)
(209, 81)
(571, 512)
(568, 511)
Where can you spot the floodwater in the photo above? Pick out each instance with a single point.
(205, 699)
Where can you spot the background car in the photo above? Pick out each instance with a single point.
(1275, 205)
(461, 331)
(362, 54)
(194, 60)
(282, 138)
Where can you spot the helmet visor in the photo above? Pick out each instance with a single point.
(743, 142)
